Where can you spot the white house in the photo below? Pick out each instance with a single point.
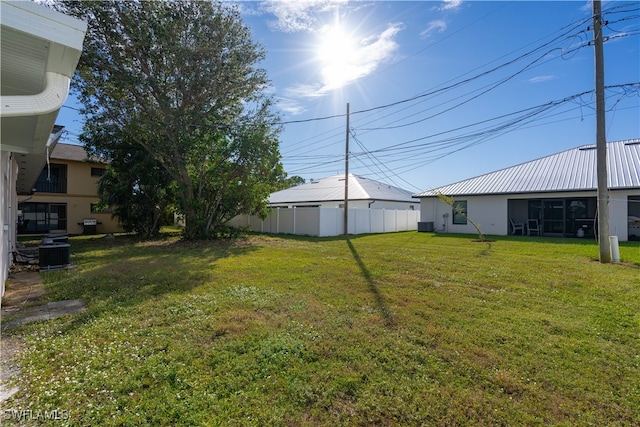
(40, 50)
(329, 193)
(550, 196)
(317, 209)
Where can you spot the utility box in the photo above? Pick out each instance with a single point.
(425, 226)
(56, 238)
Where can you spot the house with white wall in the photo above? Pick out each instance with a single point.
(317, 209)
(557, 193)
(40, 49)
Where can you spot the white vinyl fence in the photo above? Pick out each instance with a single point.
(329, 221)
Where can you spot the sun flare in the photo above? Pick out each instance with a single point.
(338, 55)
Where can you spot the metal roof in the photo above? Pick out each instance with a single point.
(331, 189)
(570, 170)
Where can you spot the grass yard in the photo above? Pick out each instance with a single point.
(396, 329)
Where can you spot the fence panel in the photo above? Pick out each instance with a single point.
(329, 221)
(307, 221)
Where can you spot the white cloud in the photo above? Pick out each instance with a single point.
(290, 106)
(302, 90)
(365, 58)
(341, 58)
(451, 4)
(541, 79)
(587, 7)
(297, 15)
(436, 26)
(347, 61)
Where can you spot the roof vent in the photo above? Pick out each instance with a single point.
(633, 142)
(587, 147)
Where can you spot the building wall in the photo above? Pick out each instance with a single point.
(81, 193)
(488, 212)
(619, 213)
(491, 212)
(9, 168)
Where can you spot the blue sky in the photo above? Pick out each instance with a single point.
(438, 91)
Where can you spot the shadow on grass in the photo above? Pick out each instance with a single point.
(380, 302)
(127, 271)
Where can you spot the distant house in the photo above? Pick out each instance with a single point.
(40, 49)
(65, 195)
(550, 196)
(329, 193)
(317, 209)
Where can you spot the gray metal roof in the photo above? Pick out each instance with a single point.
(331, 188)
(571, 170)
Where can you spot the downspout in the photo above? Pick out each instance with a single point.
(51, 143)
(47, 101)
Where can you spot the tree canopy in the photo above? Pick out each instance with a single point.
(180, 79)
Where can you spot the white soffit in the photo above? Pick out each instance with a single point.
(40, 49)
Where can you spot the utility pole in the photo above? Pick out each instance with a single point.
(601, 138)
(346, 179)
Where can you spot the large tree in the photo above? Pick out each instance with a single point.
(139, 191)
(181, 79)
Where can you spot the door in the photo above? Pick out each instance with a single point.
(58, 216)
(553, 216)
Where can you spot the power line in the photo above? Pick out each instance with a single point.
(428, 152)
(453, 85)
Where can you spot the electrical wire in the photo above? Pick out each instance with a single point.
(573, 32)
(428, 152)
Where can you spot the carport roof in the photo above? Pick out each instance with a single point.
(570, 170)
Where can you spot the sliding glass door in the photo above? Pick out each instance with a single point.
(563, 217)
(41, 218)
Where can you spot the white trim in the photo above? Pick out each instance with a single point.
(49, 100)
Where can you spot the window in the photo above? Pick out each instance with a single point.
(52, 179)
(98, 171)
(460, 212)
(100, 208)
(42, 218)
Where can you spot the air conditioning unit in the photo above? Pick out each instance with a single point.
(54, 256)
(427, 226)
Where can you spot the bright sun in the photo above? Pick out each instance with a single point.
(338, 54)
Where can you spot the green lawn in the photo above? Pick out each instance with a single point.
(396, 329)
